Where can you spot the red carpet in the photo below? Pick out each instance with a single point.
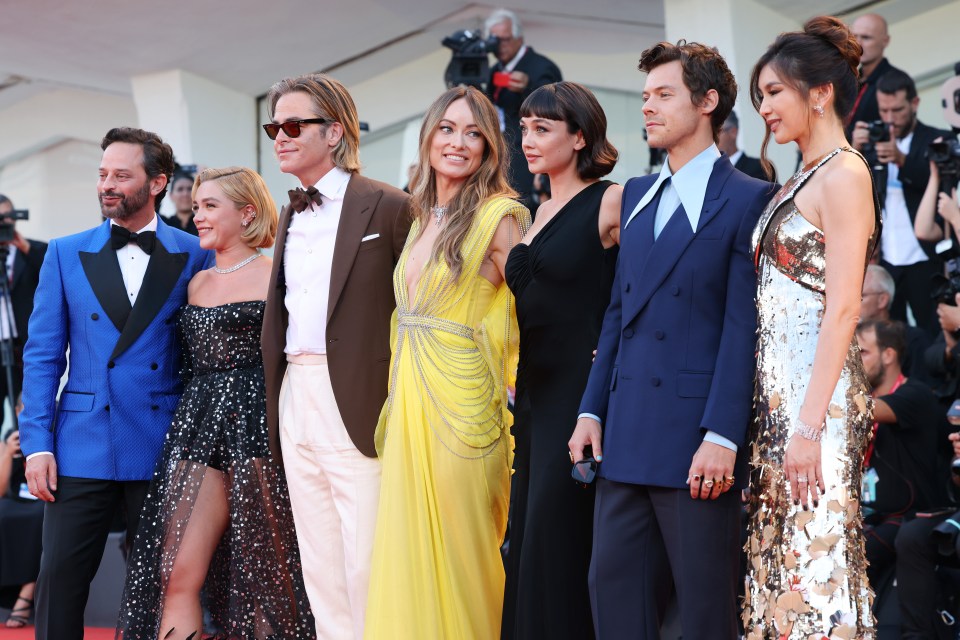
(26, 633)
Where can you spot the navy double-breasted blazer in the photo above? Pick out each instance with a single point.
(676, 352)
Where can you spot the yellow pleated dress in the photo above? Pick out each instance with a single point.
(444, 441)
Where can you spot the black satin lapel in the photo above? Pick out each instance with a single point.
(106, 280)
(162, 274)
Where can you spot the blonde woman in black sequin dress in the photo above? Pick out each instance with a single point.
(806, 562)
(218, 514)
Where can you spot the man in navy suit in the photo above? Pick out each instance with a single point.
(670, 391)
(110, 295)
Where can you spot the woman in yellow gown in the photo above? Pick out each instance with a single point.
(444, 435)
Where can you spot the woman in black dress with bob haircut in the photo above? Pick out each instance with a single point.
(561, 275)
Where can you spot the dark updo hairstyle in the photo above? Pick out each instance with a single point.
(703, 69)
(577, 106)
(825, 52)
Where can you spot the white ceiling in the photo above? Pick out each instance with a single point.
(248, 44)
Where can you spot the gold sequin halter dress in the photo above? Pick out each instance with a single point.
(806, 570)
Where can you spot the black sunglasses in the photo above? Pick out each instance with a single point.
(290, 128)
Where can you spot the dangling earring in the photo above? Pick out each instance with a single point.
(818, 109)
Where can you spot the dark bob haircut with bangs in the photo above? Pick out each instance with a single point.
(577, 106)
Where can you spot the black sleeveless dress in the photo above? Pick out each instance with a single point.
(562, 285)
(254, 587)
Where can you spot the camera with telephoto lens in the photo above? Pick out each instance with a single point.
(946, 286)
(469, 65)
(7, 220)
(946, 155)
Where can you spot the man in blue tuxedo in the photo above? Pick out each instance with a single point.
(670, 391)
(110, 295)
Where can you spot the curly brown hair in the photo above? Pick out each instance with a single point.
(703, 69)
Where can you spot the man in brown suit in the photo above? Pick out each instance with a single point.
(326, 340)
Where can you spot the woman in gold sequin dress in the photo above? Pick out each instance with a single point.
(444, 435)
(806, 565)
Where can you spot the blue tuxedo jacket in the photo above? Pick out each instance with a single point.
(124, 383)
(676, 351)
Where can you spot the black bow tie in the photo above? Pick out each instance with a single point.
(300, 199)
(121, 237)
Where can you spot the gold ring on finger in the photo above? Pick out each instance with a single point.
(570, 453)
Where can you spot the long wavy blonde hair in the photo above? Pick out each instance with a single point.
(489, 181)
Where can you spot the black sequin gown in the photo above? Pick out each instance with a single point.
(254, 587)
(562, 283)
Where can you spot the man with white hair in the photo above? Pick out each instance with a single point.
(518, 72)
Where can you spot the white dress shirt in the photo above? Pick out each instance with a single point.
(133, 262)
(735, 158)
(898, 242)
(307, 261)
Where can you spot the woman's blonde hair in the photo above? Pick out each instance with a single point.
(489, 181)
(245, 187)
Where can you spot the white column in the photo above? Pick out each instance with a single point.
(741, 30)
(206, 123)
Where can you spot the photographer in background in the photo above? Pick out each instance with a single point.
(518, 72)
(903, 153)
(24, 258)
(870, 30)
(919, 556)
(909, 427)
(939, 202)
(21, 525)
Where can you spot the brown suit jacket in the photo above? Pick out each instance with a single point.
(358, 312)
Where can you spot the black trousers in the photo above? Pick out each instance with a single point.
(75, 529)
(914, 285)
(648, 540)
(918, 586)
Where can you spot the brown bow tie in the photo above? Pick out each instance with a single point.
(300, 199)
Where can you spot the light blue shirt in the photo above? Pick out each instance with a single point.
(688, 186)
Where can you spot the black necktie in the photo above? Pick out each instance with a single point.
(121, 237)
(300, 199)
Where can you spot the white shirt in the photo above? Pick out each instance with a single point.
(307, 261)
(133, 262)
(735, 158)
(8, 324)
(898, 242)
(687, 186)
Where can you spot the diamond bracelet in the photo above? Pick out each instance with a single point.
(808, 432)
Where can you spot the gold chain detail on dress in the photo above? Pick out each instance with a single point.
(436, 343)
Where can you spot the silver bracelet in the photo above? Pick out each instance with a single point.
(808, 432)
